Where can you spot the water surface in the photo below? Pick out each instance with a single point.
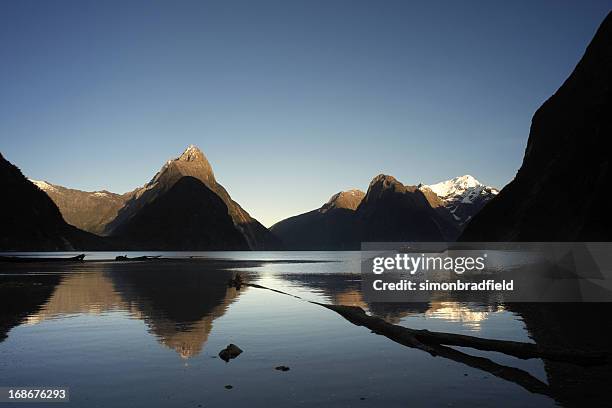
(148, 334)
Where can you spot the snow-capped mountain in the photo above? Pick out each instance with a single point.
(463, 196)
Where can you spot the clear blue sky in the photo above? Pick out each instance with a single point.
(291, 101)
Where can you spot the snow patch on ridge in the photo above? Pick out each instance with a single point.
(43, 185)
(463, 188)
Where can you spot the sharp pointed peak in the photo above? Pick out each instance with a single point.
(192, 153)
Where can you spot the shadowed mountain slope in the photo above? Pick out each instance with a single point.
(559, 192)
(30, 221)
(331, 227)
(189, 216)
(389, 211)
(193, 163)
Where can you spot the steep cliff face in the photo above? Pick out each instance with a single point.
(559, 192)
(193, 163)
(30, 221)
(189, 216)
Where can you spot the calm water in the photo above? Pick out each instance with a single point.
(130, 335)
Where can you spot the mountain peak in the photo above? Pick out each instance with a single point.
(191, 153)
(383, 179)
(457, 186)
(191, 162)
(463, 196)
(385, 182)
(467, 178)
(349, 199)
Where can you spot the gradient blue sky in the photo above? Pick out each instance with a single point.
(290, 101)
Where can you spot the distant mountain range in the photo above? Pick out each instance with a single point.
(145, 217)
(559, 193)
(184, 208)
(389, 211)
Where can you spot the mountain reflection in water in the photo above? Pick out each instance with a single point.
(183, 304)
(177, 302)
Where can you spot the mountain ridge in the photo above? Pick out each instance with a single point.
(89, 211)
(388, 211)
(30, 220)
(556, 194)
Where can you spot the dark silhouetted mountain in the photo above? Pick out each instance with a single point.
(89, 211)
(331, 227)
(189, 216)
(30, 221)
(389, 211)
(193, 163)
(559, 193)
(462, 196)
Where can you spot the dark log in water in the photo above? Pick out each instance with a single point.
(32, 259)
(512, 374)
(401, 334)
(405, 337)
(427, 340)
(138, 258)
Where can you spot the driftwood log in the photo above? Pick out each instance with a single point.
(424, 339)
(429, 340)
(436, 344)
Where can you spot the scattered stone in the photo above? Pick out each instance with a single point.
(230, 352)
(229, 387)
(282, 368)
